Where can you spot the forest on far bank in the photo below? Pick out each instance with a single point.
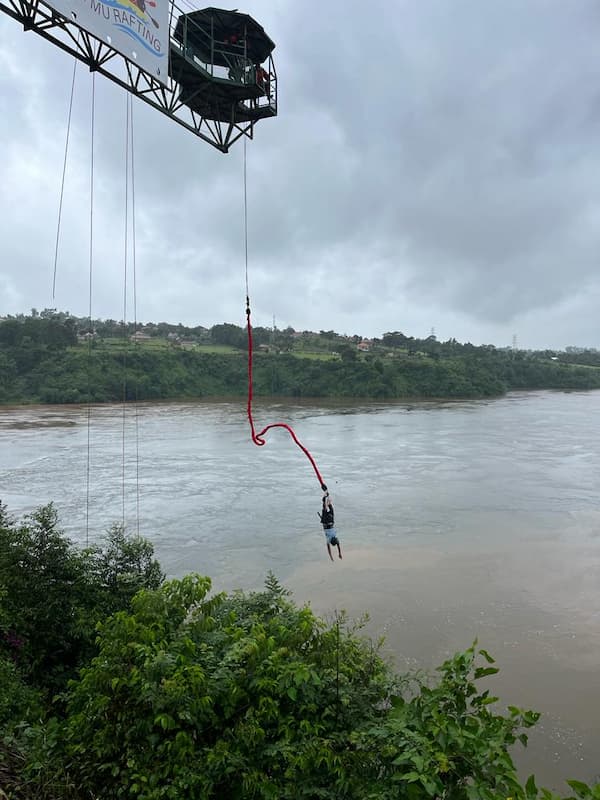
(52, 357)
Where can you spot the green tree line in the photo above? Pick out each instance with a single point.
(42, 362)
(115, 683)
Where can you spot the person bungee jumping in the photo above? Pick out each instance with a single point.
(328, 522)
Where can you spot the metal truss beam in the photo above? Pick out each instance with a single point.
(101, 57)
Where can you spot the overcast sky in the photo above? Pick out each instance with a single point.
(434, 164)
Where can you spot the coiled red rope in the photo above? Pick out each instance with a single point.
(258, 438)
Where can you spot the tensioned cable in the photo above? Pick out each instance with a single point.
(62, 183)
(258, 438)
(133, 256)
(126, 248)
(90, 332)
(246, 221)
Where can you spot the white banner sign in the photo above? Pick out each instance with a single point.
(138, 29)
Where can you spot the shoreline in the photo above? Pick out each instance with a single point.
(333, 401)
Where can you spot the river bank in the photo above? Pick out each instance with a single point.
(37, 373)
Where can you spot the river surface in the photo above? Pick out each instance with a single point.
(457, 520)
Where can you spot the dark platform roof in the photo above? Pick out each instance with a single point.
(223, 25)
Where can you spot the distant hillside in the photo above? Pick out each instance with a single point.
(55, 358)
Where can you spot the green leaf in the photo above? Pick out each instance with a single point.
(481, 672)
(581, 789)
(530, 788)
(530, 718)
(487, 656)
(487, 701)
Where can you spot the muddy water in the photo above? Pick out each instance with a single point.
(458, 520)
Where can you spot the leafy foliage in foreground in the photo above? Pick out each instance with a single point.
(54, 594)
(193, 696)
(188, 694)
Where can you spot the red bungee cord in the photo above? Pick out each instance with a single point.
(257, 438)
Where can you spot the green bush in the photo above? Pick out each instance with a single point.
(193, 696)
(18, 702)
(179, 694)
(54, 594)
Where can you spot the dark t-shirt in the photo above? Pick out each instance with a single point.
(327, 517)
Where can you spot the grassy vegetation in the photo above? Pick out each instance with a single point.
(311, 356)
(116, 343)
(223, 349)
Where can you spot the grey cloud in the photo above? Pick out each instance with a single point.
(433, 163)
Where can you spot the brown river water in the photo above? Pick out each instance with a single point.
(457, 520)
